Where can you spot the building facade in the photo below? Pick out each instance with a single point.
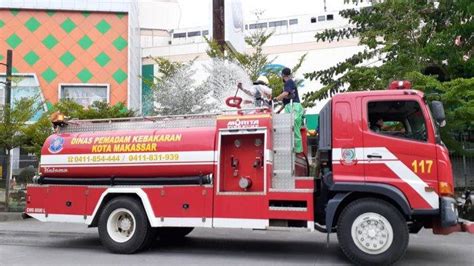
(293, 36)
(81, 50)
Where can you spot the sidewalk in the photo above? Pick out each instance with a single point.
(10, 216)
(32, 225)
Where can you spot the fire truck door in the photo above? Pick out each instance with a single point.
(242, 163)
(399, 148)
(241, 182)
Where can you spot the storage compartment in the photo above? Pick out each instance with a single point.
(242, 163)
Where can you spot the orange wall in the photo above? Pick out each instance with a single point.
(40, 39)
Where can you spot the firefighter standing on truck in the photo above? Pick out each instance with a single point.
(260, 91)
(291, 103)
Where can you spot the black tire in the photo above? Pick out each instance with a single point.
(173, 233)
(142, 235)
(384, 254)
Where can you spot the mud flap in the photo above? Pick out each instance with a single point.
(331, 209)
(450, 221)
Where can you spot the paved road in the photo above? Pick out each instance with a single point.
(30, 242)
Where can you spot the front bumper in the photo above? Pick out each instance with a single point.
(449, 221)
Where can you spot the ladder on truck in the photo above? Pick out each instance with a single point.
(283, 155)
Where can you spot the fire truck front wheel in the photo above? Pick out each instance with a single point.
(372, 231)
(123, 226)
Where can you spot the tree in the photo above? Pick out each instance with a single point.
(12, 130)
(402, 36)
(96, 110)
(458, 98)
(256, 62)
(12, 133)
(429, 43)
(175, 90)
(35, 134)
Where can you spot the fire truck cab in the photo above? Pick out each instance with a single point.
(382, 173)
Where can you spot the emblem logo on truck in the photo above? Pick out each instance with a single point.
(56, 145)
(348, 156)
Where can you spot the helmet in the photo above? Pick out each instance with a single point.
(286, 72)
(262, 79)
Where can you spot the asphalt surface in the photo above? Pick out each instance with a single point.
(30, 242)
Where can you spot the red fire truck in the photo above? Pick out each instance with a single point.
(382, 173)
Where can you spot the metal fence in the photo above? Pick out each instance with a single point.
(463, 167)
(23, 170)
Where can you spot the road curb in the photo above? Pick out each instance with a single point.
(10, 216)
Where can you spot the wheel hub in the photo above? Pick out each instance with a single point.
(121, 225)
(125, 224)
(372, 233)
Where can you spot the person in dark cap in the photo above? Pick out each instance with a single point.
(291, 103)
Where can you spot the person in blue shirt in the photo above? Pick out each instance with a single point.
(292, 104)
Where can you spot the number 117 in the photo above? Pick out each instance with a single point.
(422, 165)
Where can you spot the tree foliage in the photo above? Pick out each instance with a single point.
(175, 90)
(36, 133)
(96, 110)
(401, 36)
(458, 98)
(30, 136)
(12, 132)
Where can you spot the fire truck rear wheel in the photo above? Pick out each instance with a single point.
(173, 233)
(371, 231)
(123, 226)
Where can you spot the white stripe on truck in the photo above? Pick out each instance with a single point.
(394, 164)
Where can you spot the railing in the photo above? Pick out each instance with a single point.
(23, 170)
(463, 167)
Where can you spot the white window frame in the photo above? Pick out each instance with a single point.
(61, 85)
(25, 74)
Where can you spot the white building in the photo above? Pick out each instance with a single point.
(293, 36)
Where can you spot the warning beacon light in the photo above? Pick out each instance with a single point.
(400, 85)
(58, 119)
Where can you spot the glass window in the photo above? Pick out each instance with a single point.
(330, 17)
(402, 119)
(2, 95)
(85, 94)
(194, 33)
(293, 21)
(24, 85)
(258, 25)
(278, 23)
(179, 35)
(321, 18)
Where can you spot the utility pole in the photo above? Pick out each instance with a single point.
(218, 23)
(6, 112)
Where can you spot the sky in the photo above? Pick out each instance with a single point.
(272, 8)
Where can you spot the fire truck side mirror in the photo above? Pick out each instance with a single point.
(437, 109)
